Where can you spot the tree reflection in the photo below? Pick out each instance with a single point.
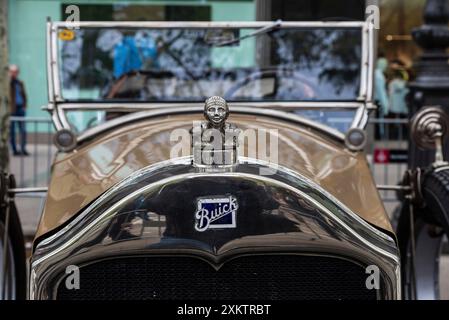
(179, 64)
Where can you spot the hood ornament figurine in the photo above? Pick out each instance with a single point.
(216, 111)
(215, 142)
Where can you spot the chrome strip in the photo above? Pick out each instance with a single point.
(364, 66)
(54, 64)
(62, 118)
(51, 66)
(135, 106)
(369, 28)
(49, 55)
(362, 118)
(242, 110)
(204, 24)
(56, 122)
(393, 187)
(28, 190)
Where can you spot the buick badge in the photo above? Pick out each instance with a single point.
(218, 212)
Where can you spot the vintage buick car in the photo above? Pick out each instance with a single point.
(279, 204)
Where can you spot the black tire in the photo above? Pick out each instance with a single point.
(435, 191)
(403, 236)
(16, 239)
(430, 224)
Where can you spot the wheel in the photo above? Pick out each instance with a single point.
(436, 196)
(15, 275)
(421, 271)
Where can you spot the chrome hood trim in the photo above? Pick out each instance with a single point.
(338, 232)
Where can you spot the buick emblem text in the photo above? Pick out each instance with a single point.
(216, 213)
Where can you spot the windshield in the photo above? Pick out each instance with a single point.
(192, 64)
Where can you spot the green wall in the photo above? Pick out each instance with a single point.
(27, 47)
(27, 35)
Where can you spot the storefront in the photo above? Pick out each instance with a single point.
(398, 18)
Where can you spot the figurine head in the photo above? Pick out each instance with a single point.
(216, 111)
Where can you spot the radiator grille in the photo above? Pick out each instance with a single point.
(267, 277)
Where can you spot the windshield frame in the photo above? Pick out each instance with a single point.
(58, 105)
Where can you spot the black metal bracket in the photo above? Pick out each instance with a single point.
(413, 181)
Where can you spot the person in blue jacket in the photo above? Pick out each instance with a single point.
(134, 52)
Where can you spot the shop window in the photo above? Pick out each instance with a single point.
(306, 10)
(397, 19)
(131, 12)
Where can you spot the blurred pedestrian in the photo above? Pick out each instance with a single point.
(398, 91)
(380, 93)
(18, 102)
